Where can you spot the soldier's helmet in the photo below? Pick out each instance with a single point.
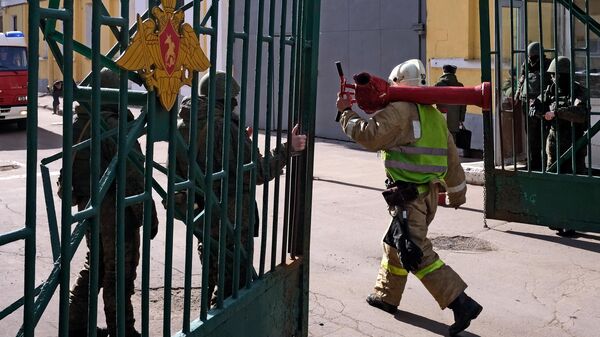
(534, 49)
(562, 65)
(109, 79)
(221, 78)
(409, 73)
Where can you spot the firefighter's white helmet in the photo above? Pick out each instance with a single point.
(409, 73)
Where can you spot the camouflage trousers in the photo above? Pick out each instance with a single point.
(534, 140)
(213, 264)
(78, 307)
(442, 282)
(228, 264)
(565, 144)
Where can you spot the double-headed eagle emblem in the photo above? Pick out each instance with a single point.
(164, 51)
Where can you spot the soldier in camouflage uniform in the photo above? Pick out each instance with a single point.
(278, 158)
(567, 116)
(561, 111)
(78, 308)
(530, 86)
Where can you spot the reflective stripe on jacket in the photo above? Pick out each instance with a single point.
(426, 159)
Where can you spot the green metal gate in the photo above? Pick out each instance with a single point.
(514, 191)
(274, 301)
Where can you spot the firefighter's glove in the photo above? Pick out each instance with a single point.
(410, 254)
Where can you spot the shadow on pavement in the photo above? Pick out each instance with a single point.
(348, 184)
(13, 139)
(462, 208)
(571, 242)
(427, 324)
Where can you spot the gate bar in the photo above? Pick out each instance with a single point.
(291, 41)
(12, 236)
(191, 187)
(281, 79)
(208, 177)
(222, 265)
(67, 160)
(241, 167)
(31, 179)
(255, 126)
(268, 129)
(51, 13)
(51, 211)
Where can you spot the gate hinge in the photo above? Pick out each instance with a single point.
(419, 28)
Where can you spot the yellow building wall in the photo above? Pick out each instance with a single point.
(453, 32)
(448, 28)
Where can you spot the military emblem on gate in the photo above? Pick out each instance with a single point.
(164, 51)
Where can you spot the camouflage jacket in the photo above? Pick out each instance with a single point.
(277, 159)
(108, 150)
(530, 84)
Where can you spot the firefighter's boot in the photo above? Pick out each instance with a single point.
(465, 310)
(377, 302)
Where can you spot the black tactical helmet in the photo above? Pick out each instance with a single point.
(109, 79)
(533, 49)
(562, 64)
(220, 77)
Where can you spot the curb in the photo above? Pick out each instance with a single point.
(474, 173)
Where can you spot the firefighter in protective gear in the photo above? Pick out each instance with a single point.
(277, 159)
(531, 84)
(78, 300)
(417, 151)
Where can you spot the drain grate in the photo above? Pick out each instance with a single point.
(460, 242)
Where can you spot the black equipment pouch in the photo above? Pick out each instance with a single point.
(400, 193)
(398, 237)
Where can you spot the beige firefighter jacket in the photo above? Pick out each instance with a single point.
(396, 125)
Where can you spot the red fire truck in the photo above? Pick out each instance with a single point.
(13, 78)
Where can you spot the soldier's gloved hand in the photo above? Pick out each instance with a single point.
(410, 254)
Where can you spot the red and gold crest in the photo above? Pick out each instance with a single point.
(164, 51)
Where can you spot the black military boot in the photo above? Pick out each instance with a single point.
(567, 233)
(465, 310)
(377, 302)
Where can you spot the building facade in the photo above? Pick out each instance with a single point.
(14, 16)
